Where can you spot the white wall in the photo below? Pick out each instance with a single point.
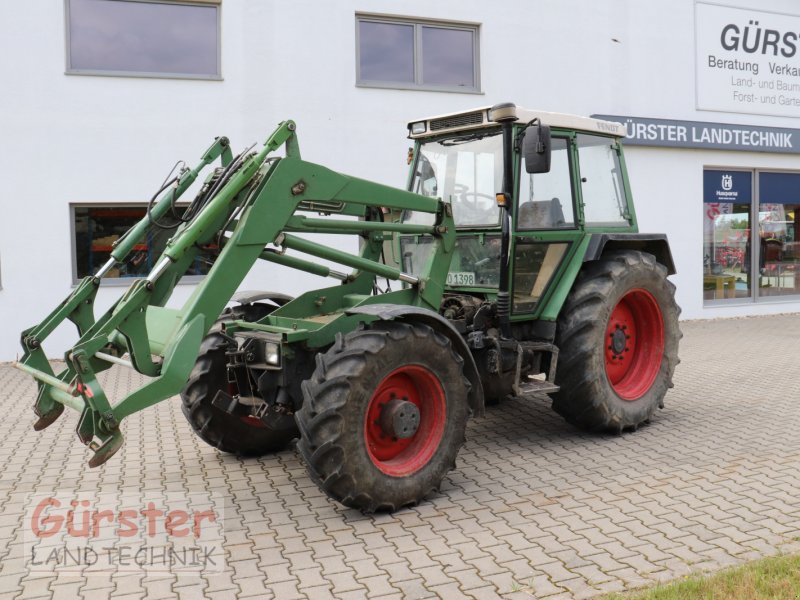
(99, 139)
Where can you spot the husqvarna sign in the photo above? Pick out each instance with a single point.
(727, 182)
(727, 187)
(747, 60)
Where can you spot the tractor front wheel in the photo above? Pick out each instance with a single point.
(618, 343)
(243, 435)
(384, 416)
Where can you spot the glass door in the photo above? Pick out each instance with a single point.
(727, 260)
(778, 229)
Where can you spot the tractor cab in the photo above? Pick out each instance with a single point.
(524, 186)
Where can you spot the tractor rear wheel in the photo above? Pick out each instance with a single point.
(618, 340)
(243, 435)
(384, 416)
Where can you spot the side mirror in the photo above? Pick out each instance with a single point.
(425, 169)
(536, 149)
(427, 177)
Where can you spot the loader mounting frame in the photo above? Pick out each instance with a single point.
(252, 213)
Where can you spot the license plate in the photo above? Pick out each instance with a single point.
(461, 278)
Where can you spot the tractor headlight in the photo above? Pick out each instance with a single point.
(272, 353)
(418, 127)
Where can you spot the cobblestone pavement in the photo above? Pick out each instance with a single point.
(535, 508)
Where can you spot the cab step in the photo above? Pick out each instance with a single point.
(541, 383)
(536, 386)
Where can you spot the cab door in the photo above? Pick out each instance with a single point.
(546, 227)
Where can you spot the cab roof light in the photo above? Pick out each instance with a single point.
(418, 127)
(505, 111)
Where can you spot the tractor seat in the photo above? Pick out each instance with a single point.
(540, 214)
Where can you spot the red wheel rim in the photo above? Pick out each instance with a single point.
(400, 457)
(634, 344)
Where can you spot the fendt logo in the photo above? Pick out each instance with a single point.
(727, 182)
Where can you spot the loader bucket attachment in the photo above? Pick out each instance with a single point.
(246, 207)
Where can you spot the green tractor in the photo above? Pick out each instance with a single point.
(512, 267)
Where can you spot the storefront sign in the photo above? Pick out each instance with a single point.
(701, 134)
(747, 61)
(734, 187)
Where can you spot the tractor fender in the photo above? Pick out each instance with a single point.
(250, 296)
(396, 312)
(654, 243)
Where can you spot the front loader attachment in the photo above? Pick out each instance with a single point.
(246, 208)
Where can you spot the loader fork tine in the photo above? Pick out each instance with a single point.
(48, 418)
(108, 449)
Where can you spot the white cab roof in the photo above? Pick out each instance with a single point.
(479, 117)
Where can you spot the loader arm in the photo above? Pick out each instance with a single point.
(251, 212)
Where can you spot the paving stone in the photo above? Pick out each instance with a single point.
(285, 590)
(414, 588)
(319, 591)
(220, 594)
(446, 590)
(487, 592)
(378, 586)
(539, 586)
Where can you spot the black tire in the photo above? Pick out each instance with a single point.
(226, 432)
(344, 447)
(599, 390)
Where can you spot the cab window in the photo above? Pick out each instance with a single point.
(475, 263)
(601, 182)
(535, 266)
(465, 171)
(545, 199)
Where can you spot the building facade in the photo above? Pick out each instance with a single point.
(102, 97)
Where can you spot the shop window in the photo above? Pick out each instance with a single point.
(545, 199)
(97, 227)
(411, 54)
(727, 252)
(604, 202)
(751, 249)
(779, 234)
(143, 38)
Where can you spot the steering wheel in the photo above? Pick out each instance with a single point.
(473, 207)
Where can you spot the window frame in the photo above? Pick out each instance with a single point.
(418, 24)
(488, 132)
(69, 70)
(109, 281)
(630, 215)
(571, 149)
